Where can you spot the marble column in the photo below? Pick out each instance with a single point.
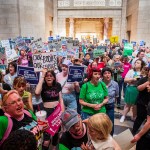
(106, 25)
(71, 29)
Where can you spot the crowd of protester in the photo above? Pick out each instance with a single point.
(88, 107)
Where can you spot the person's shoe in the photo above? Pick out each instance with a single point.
(122, 119)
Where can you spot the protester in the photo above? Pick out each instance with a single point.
(23, 59)
(87, 60)
(9, 78)
(19, 85)
(68, 89)
(142, 102)
(50, 91)
(76, 131)
(20, 140)
(17, 118)
(99, 128)
(143, 137)
(131, 91)
(93, 95)
(113, 94)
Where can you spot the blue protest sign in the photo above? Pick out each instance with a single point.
(124, 41)
(76, 73)
(29, 74)
(50, 38)
(142, 43)
(133, 42)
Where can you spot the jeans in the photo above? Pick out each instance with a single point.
(38, 107)
(85, 115)
(121, 84)
(110, 112)
(70, 101)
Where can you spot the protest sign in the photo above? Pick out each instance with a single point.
(133, 42)
(50, 38)
(124, 140)
(44, 60)
(3, 59)
(98, 52)
(107, 41)
(128, 49)
(3, 69)
(37, 44)
(124, 41)
(62, 54)
(114, 39)
(142, 43)
(76, 73)
(54, 121)
(94, 40)
(29, 74)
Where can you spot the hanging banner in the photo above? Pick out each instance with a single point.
(114, 39)
(76, 73)
(54, 121)
(128, 49)
(45, 60)
(29, 74)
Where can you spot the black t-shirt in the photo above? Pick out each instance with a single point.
(50, 93)
(68, 141)
(144, 96)
(6, 86)
(148, 109)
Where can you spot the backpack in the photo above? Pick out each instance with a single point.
(10, 125)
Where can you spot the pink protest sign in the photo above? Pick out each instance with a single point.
(54, 121)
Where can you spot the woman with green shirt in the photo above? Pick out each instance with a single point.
(93, 95)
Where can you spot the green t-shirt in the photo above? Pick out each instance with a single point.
(94, 95)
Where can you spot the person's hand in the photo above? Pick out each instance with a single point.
(44, 72)
(43, 124)
(76, 84)
(85, 80)
(98, 106)
(86, 146)
(135, 138)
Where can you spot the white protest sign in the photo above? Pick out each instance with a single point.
(37, 44)
(44, 60)
(11, 54)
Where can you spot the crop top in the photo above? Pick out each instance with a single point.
(50, 93)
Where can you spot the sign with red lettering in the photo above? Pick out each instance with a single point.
(54, 121)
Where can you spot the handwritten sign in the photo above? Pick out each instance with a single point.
(114, 39)
(54, 121)
(128, 49)
(76, 73)
(29, 74)
(98, 52)
(44, 60)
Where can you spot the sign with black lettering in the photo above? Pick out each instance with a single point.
(45, 60)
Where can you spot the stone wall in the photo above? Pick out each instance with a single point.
(143, 26)
(132, 18)
(9, 19)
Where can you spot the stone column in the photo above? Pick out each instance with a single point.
(71, 29)
(55, 18)
(106, 25)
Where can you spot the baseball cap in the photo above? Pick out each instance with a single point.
(69, 118)
(67, 63)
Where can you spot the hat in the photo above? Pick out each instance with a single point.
(69, 118)
(67, 63)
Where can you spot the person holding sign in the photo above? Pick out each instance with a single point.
(68, 89)
(20, 86)
(9, 78)
(50, 91)
(93, 95)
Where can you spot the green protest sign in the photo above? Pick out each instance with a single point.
(98, 52)
(128, 49)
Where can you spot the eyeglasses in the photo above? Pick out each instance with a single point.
(14, 103)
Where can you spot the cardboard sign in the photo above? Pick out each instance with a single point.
(76, 73)
(128, 49)
(29, 74)
(44, 60)
(114, 39)
(54, 121)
